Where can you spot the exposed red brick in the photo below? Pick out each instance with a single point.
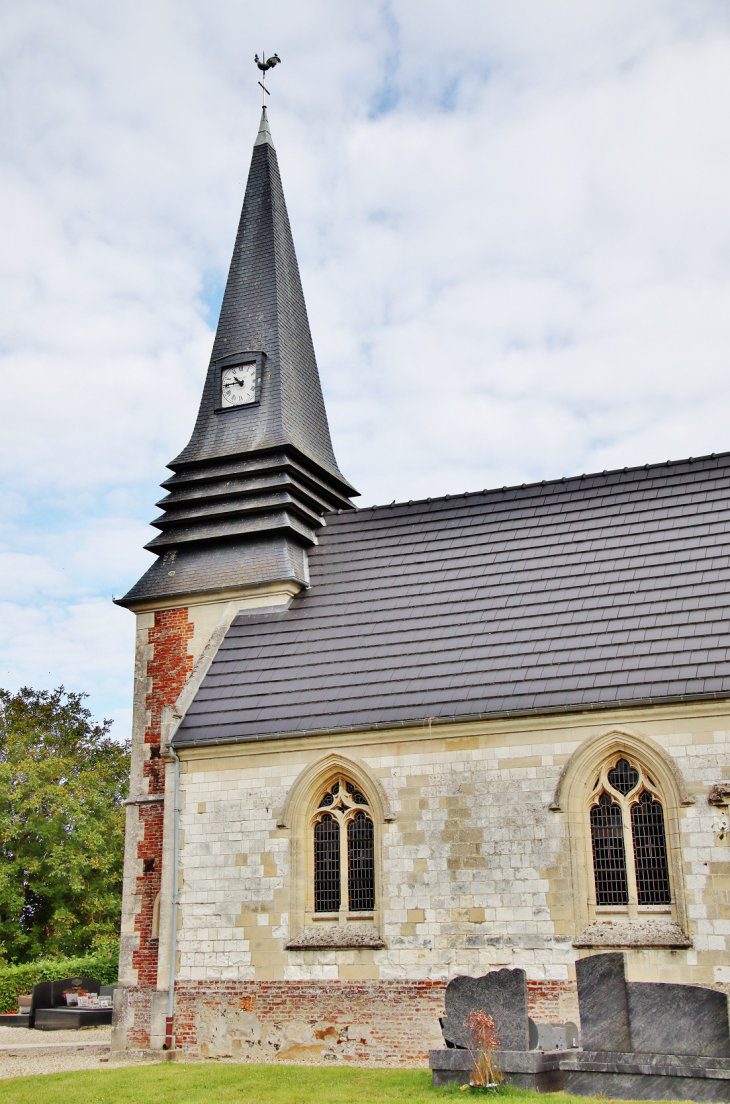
(553, 1001)
(400, 1016)
(168, 670)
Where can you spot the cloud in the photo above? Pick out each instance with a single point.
(512, 229)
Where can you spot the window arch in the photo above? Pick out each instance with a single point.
(359, 859)
(344, 850)
(628, 837)
(582, 783)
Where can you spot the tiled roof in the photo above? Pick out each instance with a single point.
(263, 309)
(574, 594)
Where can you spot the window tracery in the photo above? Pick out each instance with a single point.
(344, 850)
(628, 837)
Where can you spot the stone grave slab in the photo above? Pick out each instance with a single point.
(678, 1019)
(603, 1001)
(503, 996)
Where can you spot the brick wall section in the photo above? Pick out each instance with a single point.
(390, 1022)
(167, 670)
(139, 1007)
(553, 1002)
(381, 1022)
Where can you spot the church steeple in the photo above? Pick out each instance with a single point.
(251, 488)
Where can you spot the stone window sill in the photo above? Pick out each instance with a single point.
(328, 917)
(336, 936)
(641, 933)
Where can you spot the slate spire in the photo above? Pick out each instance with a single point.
(252, 486)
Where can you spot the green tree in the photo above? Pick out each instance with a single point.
(62, 784)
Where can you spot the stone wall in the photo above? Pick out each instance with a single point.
(167, 671)
(475, 867)
(170, 648)
(476, 870)
(162, 667)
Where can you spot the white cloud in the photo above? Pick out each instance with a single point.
(512, 228)
(86, 646)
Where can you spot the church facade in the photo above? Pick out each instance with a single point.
(377, 748)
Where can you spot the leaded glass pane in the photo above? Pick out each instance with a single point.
(361, 863)
(356, 795)
(623, 777)
(609, 856)
(329, 797)
(327, 865)
(650, 851)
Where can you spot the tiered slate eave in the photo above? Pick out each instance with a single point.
(269, 490)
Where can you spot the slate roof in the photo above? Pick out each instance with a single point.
(263, 309)
(596, 591)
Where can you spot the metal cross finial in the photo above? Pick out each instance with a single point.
(264, 66)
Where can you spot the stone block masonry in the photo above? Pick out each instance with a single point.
(478, 867)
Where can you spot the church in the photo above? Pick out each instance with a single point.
(377, 748)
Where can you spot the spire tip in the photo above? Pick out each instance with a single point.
(263, 138)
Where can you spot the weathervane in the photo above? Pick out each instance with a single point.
(264, 66)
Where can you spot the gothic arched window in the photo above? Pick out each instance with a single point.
(344, 851)
(628, 837)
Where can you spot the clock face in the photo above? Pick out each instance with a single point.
(238, 385)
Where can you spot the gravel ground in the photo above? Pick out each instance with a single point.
(75, 1058)
(24, 1036)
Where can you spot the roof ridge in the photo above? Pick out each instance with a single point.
(544, 482)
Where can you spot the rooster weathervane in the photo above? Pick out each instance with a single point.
(264, 64)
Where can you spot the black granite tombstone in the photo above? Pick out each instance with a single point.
(648, 1017)
(502, 994)
(51, 1013)
(678, 1019)
(603, 1002)
(640, 1040)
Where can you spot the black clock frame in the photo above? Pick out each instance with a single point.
(238, 360)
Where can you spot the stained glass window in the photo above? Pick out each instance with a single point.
(628, 803)
(327, 865)
(360, 863)
(623, 777)
(344, 880)
(650, 851)
(609, 856)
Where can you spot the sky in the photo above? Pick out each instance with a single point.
(513, 229)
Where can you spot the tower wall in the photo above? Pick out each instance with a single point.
(173, 648)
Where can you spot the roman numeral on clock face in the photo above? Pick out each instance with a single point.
(238, 385)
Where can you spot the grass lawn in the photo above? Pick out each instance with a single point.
(245, 1084)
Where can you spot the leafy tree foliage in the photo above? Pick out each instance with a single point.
(62, 783)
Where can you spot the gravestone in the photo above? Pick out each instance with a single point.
(603, 1002)
(552, 1036)
(648, 1017)
(503, 996)
(678, 1019)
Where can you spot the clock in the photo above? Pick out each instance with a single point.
(238, 385)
